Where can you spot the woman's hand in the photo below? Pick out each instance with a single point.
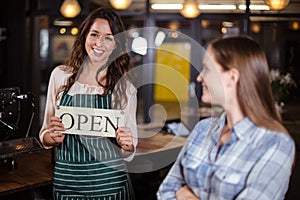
(124, 138)
(185, 193)
(54, 135)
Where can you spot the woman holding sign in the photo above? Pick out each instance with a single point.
(91, 166)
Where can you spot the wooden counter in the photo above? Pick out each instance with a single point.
(36, 169)
(153, 141)
(155, 150)
(33, 170)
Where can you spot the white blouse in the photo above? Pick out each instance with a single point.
(59, 77)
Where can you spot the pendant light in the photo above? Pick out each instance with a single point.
(120, 4)
(190, 9)
(277, 4)
(70, 8)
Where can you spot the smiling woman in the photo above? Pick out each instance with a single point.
(93, 79)
(99, 42)
(245, 153)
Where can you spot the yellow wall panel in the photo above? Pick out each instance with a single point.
(172, 72)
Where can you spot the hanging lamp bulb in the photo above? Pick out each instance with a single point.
(277, 4)
(190, 9)
(120, 4)
(70, 8)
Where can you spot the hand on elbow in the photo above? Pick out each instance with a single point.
(185, 193)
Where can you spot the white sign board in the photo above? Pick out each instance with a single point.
(91, 121)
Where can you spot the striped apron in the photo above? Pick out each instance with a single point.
(87, 167)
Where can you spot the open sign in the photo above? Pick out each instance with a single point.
(91, 121)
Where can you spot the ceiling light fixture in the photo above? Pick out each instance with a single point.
(255, 27)
(217, 7)
(166, 6)
(295, 25)
(254, 7)
(190, 9)
(120, 4)
(173, 6)
(74, 31)
(277, 4)
(70, 8)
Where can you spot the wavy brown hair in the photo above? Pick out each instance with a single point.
(253, 90)
(118, 62)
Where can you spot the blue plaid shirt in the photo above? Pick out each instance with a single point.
(255, 163)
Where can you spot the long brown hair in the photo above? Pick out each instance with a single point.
(253, 90)
(118, 62)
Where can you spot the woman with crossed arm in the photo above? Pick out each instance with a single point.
(246, 153)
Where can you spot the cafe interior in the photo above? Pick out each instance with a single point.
(166, 40)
